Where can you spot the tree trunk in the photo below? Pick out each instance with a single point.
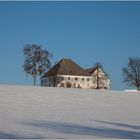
(97, 78)
(34, 80)
(138, 88)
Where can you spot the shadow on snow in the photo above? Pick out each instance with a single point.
(69, 128)
(4, 135)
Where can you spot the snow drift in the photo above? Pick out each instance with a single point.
(41, 112)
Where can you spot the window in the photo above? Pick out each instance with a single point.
(41, 82)
(49, 79)
(82, 79)
(76, 79)
(62, 84)
(68, 78)
(79, 86)
(54, 79)
(87, 79)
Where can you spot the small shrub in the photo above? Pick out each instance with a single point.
(68, 85)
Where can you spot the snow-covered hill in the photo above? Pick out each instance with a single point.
(41, 112)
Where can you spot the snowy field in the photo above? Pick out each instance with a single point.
(40, 112)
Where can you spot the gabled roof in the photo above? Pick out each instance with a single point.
(93, 69)
(66, 67)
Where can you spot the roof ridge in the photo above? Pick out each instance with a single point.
(67, 67)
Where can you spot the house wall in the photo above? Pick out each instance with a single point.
(77, 81)
(104, 81)
(68, 81)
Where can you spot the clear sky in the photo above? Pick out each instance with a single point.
(87, 32)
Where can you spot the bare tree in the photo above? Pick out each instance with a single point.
(131, 73)
(100, 77)
(36, 60)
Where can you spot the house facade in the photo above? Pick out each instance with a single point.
(66, 73)
(100, 78)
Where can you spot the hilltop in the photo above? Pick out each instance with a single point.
(43, 112)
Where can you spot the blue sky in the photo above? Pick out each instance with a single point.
(87, 32)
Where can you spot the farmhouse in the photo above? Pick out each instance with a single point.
(66, 73)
